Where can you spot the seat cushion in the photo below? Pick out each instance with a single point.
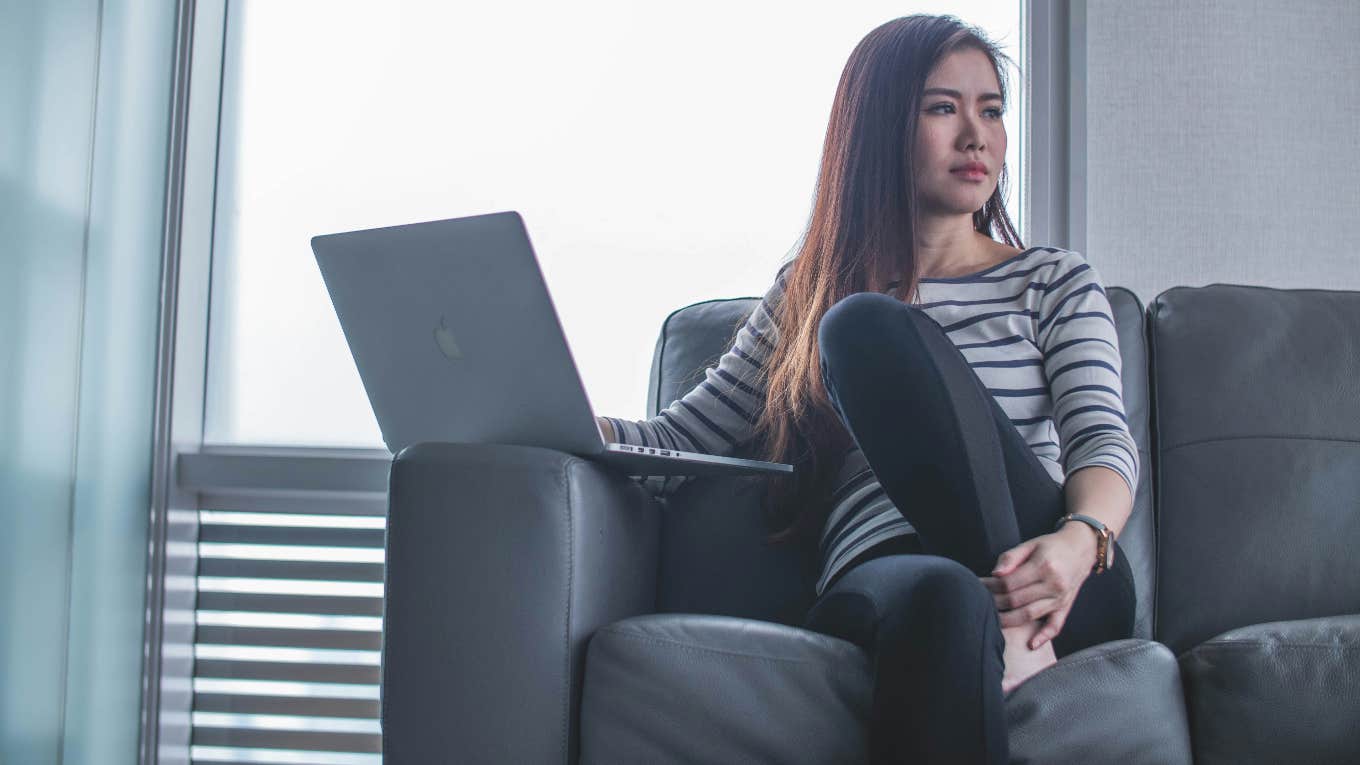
(1282, 692)
(1117, 702)
(684, 688)
(669, 688)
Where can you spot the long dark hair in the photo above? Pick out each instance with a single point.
(862, 228)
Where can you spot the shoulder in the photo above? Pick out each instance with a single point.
(779, 283)
(1056, 258)
(768, 304)
(1063, 268)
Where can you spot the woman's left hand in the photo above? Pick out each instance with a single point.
(1039, 579)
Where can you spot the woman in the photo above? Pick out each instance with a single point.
(947, 399)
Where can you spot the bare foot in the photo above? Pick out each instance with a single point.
(1021, 662)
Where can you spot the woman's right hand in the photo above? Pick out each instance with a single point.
(606, 429)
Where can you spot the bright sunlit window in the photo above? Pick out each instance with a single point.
(659, 154)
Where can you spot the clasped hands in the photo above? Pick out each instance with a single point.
(1040, 577)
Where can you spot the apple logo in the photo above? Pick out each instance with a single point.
(444, 339)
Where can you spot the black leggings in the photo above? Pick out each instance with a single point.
(952, 462)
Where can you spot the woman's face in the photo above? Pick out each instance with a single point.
(955, 129)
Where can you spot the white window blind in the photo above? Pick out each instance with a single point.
(288, 620)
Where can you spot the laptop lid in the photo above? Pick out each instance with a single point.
(447, 322)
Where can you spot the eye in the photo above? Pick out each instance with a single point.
(996, 111)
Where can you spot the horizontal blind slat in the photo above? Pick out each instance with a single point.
(287, 739)
(285, 705)
(343, 639)
(339, 554)
(290, 535)
(292, 604)
(234, 756)
(333, 503)
(328, 502)
(227, 755)
(289, 688)
(269, 670)
(289, 569)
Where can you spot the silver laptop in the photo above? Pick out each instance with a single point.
(456, 339)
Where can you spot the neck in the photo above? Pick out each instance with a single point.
(945, 244)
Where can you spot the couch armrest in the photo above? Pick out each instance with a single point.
(501, 562)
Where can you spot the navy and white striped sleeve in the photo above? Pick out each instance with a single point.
(719, 414)
(1078, 337)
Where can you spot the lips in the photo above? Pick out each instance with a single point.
(970, 168)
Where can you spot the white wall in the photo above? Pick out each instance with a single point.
(1221, 143)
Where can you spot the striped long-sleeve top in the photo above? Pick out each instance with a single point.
(1044, 308)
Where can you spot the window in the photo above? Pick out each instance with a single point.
(658, 159)
(634, 140)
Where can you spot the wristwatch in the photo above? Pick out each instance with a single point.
(1104, 539)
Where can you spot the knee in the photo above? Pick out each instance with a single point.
(853, 315)
(864, 316)
(928, 589)
(945, 584)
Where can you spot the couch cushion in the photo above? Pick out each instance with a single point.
(1282, 692)
(688, 688)
(692, 339)
(1257, 395)
(671, 688)
(1117, 702)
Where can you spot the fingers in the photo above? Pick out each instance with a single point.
(1013, 557)
(1006, 600)
(1029, 612)
(1052, 626)
(1030, 572)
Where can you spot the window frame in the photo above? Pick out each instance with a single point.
(1053, 53)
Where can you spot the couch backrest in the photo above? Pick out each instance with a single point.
(1257, 420)
(714, 558)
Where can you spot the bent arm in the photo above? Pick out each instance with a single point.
(1083, 365)
(719, 414)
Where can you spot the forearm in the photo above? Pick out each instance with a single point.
(606, 429)
(1101, 493)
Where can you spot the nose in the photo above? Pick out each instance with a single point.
(970, 136)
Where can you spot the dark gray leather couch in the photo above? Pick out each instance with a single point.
(542, 608)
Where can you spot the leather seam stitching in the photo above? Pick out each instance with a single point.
(1262, 437)
(705, 649)
(1239, 644)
